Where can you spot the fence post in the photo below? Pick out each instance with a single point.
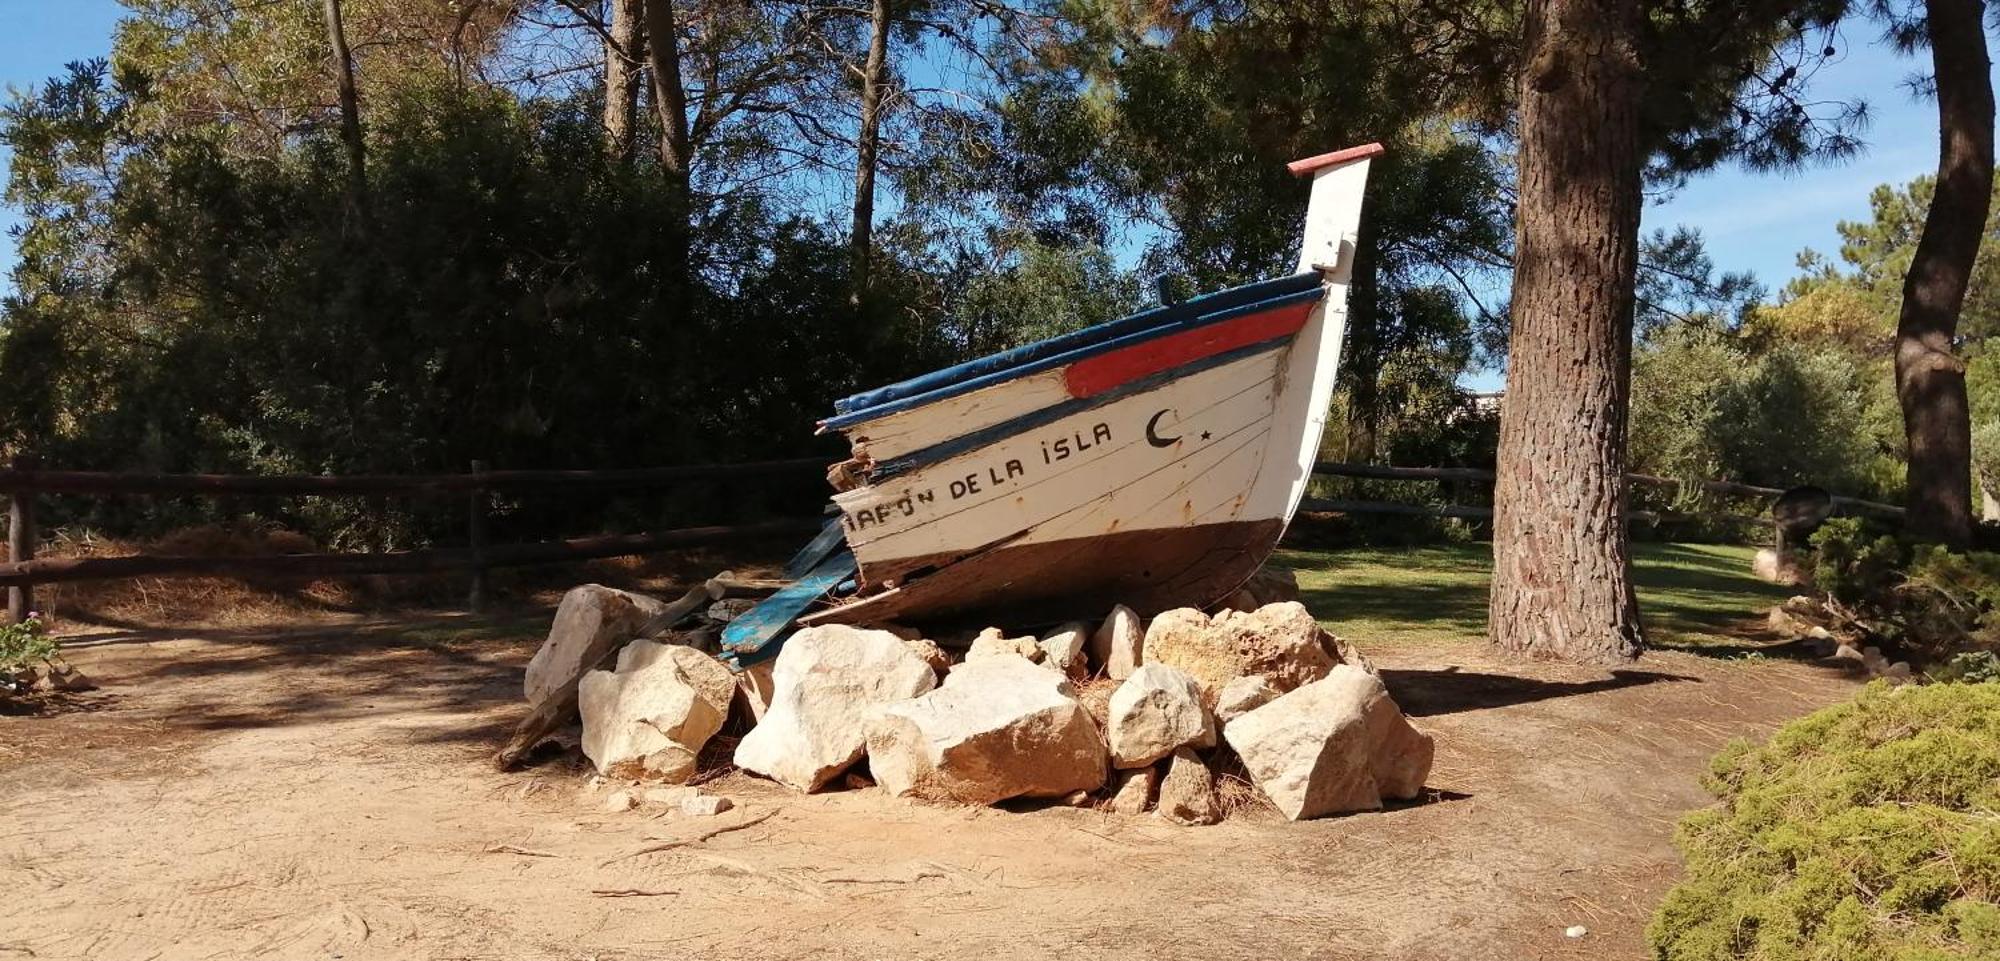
(475, 524)
(21, 540)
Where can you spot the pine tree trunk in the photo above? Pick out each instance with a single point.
(350, 115)
(1562, 585)
(663, 54)
(1930, 375)
(867, 145)
(622, 74)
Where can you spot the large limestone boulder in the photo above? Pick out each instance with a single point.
(1117, 646)
(591, 622)
(650, 716)
(825, 682)
(1279, 642)
(1335, 745)
(1157, 711)
(999, 728)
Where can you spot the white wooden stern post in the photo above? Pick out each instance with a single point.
(1333, 214)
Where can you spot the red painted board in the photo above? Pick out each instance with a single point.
(1300, 168)
(1095, 375)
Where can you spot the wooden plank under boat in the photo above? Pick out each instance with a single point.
(1153, 461)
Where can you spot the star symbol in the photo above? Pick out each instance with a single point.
(1204, 435)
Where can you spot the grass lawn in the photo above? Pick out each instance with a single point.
(1689, 594)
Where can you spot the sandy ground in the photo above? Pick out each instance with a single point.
(323, 791)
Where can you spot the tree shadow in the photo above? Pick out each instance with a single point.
(1428, 693)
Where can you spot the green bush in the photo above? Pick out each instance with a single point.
(1922, 599)
(24, 647)
(1869, 831)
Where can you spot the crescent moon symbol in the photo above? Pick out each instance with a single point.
(1153, 432)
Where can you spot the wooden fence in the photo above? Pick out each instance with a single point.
(1841, 505)
(24, 483)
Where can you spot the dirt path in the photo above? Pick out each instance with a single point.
(323, 792)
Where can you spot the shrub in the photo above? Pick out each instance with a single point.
(23, 647)
(1930, 602)
(1868, 831)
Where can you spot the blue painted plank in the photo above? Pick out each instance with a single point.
(816, 550)
(1059, 350)
(750, 637)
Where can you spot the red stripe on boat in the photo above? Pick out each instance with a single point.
(1095, 375)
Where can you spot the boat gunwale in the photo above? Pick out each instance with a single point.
(1065, 349)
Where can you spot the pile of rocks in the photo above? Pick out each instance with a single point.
(1131, 715)
(1832, 637)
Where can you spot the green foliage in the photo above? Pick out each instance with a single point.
(1930, 602)
(1868, 831)
(26, 645)
(1707, 405)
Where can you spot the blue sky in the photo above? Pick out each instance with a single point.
(1755, 222)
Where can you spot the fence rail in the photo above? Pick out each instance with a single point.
(1732, 488)
(25, 481)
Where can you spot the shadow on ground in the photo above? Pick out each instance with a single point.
(1427, 693)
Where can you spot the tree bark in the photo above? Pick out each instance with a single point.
(867, 145)
(1930, 375)
(1562, 585)
(622, 75)
(663, 53)
(350, 113)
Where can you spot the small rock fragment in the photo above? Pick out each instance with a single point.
(1187, 793)
(930, 653)
(1064, 649)
(729, 609)
(705, 805)
(1118, 644)
(1155, 712)
(1575, 931)
(671, 797)
(992, 642)
(620, 801)
(1898, 672)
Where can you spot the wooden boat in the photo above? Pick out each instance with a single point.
(1153, 461)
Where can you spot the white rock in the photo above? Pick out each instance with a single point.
(671, 797)
(753, 690)
(1187, 793)
(705, 805)
(651, 715)
(930, 652)
(1282, 642)
(992, 642)
(1065, 649)
(1848, 652)
(1134, 790)
(1118, 644)
(1157, 711)
(591, 622)
(826, 681)
(1575, 931)
(999, 727)
(1243, 695)
(1898, 672)
(618, 802)
(1336, 745)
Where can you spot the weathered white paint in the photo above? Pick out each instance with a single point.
(893, 435)
(1264, 416)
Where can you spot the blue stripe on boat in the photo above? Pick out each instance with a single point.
(1070, 348)
(945, 450)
